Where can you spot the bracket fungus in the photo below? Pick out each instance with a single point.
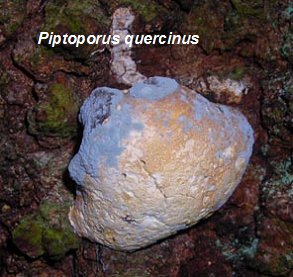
(153, 161)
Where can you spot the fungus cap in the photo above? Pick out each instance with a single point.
(154, 161)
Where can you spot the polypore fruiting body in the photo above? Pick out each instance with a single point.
(154, 161)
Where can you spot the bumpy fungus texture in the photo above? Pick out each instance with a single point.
(154, 161)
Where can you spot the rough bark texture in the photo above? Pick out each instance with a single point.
(245, 44)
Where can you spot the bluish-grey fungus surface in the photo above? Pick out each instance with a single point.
(153, 161)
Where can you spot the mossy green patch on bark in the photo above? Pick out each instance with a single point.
(75, 16)
(60, 104)
(79, 18)
(53, 240)
(58, 242)
(46, 232)
(57, 115)
(28, 235)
